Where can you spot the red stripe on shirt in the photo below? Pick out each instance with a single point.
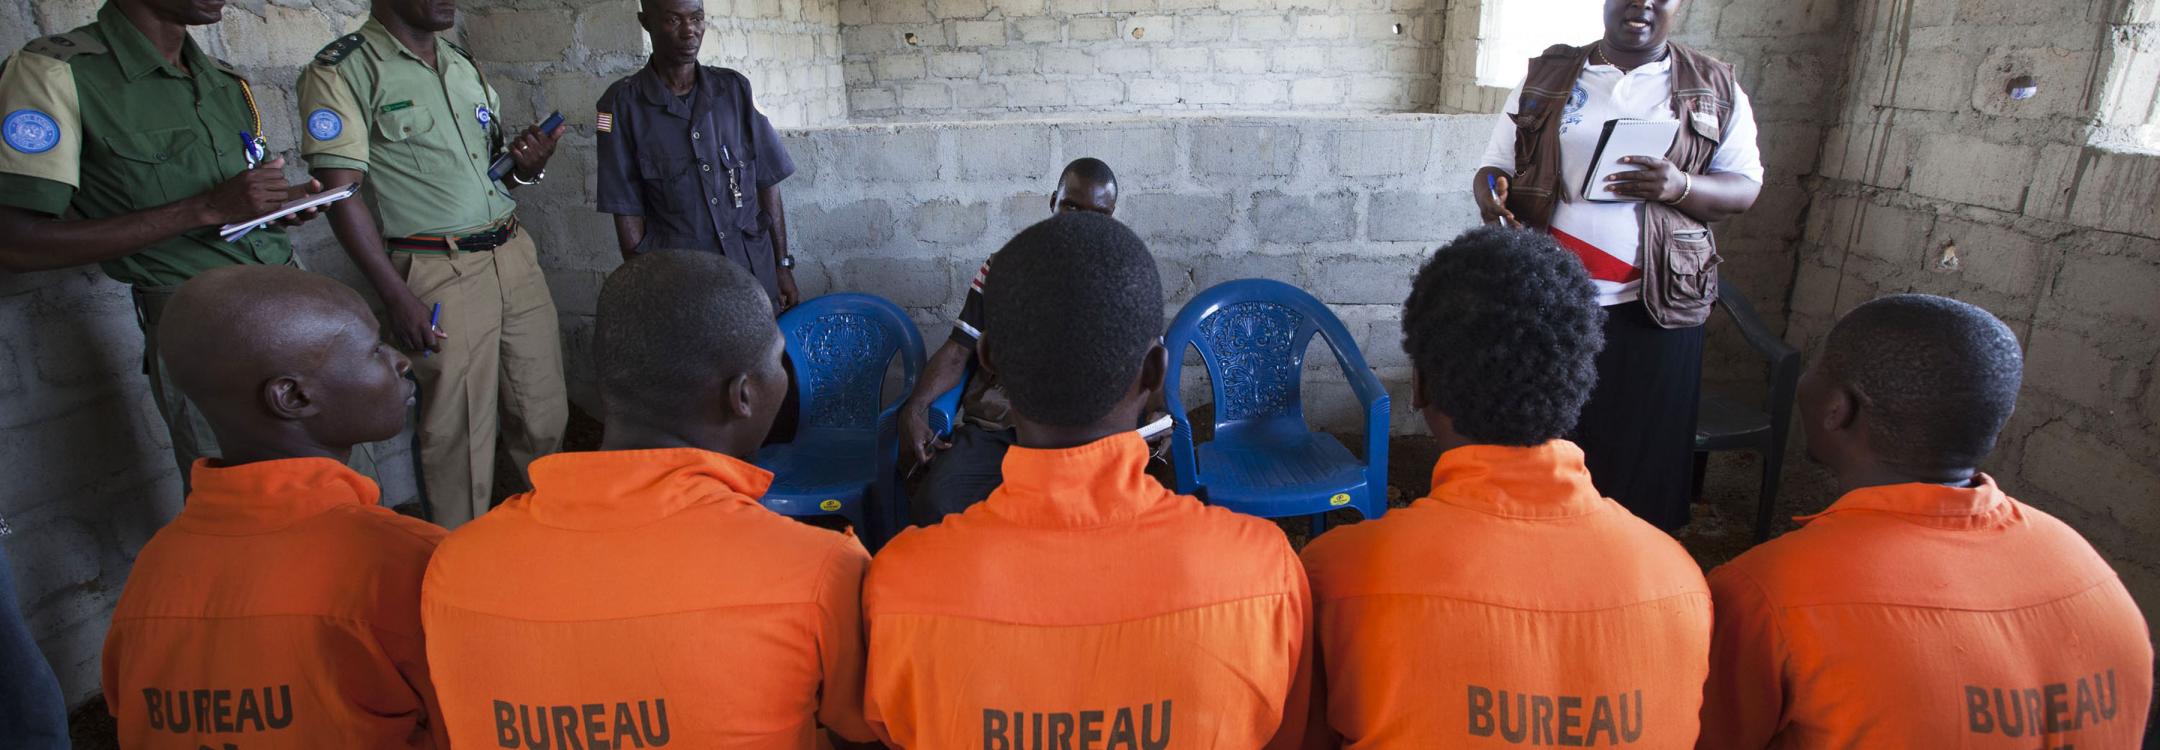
(1601, 265)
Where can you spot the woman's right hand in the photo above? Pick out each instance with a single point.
(1492, 197)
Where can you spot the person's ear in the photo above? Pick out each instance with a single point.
(1840, 408)
(738, 398)
(1418, 400)
(1154, 369)
(982, 357)
(289, 397)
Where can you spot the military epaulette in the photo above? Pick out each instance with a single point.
(336, 52)
(227, 67)
(63, 46)
(461, 50)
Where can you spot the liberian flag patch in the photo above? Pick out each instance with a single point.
(604, 122)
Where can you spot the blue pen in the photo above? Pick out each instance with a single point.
(434, 323)
(252, 148)
(1492, 186)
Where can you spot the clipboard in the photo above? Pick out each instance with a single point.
(1624, 138)
(237, 230)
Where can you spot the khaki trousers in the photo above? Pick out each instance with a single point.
(499, 373)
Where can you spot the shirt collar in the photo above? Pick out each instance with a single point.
(1650, 68)
(656, 93)
(269, 495)
(138, 57)
(1982, 505)
(1097, 484)
(623, 489)
(379, 36)
(1545, 482)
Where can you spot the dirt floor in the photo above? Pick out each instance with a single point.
(1722, 527)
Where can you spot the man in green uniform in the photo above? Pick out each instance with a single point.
(122, 144)
(408, 115)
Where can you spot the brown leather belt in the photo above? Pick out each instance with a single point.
(478, 242)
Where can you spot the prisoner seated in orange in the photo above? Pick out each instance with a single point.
(281, 608)
(1513, 606)
(1081, 604)
(640, 596)
(1925, 608)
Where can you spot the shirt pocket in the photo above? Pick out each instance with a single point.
(161, 166)
(409, 132)
(1694, 258)
(667, 184)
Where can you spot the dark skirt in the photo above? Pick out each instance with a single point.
(1638, 431)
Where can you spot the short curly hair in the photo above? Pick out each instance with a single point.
(1076, 306)
(1504, 329)
(1940, 376)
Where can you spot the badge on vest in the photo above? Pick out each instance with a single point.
(323, 124)
(30, 131)
(1705, 121)
(481, 113)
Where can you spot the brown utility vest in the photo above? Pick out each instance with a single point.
(1679, 256)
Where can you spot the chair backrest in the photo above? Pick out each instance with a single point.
(1252, 335)
(841, 345)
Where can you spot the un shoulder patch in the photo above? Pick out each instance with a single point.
(336, 52)
(64, 46)
(324, 124)
(30, 131)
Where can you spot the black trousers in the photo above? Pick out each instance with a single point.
(963, 475)
(1638, 431)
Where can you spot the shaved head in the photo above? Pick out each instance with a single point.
(680, 328)
(1935, 377)
(1087, 186)
(270, 349)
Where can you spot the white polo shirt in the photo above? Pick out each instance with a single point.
(1614, 229)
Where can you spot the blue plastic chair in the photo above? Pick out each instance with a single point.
(847, 445)
(1252, 335)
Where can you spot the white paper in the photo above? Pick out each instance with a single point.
(232, 232)
(1628, 138)
(1156, 427)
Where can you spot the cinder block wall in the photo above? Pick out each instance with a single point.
(1342, 206)
(1934, 180)
(972, 59)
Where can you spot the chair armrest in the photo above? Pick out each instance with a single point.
(944, 413)
(1759, 337)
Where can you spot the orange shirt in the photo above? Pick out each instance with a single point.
(1922, 616)
(1512, 607)
(279, 610)
(641, 599)
(1084, 606)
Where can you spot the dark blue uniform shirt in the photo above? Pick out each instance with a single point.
(692, 166)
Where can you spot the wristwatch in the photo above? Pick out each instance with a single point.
(787, 262)
(521, 181)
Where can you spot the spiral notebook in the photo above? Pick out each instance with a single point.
(1624, 138)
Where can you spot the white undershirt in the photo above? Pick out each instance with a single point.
(1604, 93)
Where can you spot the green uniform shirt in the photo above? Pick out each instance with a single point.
(424, 137)
(97, 122)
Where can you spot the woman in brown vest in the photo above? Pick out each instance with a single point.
(1642, 234)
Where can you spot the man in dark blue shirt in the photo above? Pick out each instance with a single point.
(686, 160)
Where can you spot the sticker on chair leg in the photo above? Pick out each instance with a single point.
(829, 506)
(1340, 498)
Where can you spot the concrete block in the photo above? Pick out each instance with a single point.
(1211, 270)
(1263, 92)
(1003, 152)
(1038, 94)
(1279, 218)
(1120, 60)
(1207, 28)
(2074, 367)
(1005, 62)
(2119, 192)
(1091, 29)
(944, 221)
(1358, 59)
(860, 225)
(907, 282)
(1298, 60)
(1240, 60)
(1011, 8)
(924, 95)
(519, 36)
(1182, 59)
(1379, 152)
(1898, 237)
(1039, 30)
(1067, 61)
(1176, 217)
(1129, 6)
(900, 156)
(1023, 210)
(1148, 28)
(2112, 286)
(1970, 170)
(1322, 27)
(1208, 92)
(902, 66)
(1097, 93)
(978, 96)
(956, 64)
(1153, 91)
(862, 100)
(1993, 257)
(1418, 216)
(1263, 28)
(1317, 91)
(1361, 279)
(1141, 151)
(280, 36)
(959, 8)
(978, 33)
(1785, 20)
(2093, 475)
(1244, 150)
(612, 27)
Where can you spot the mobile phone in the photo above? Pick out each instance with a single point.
(502, 166)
